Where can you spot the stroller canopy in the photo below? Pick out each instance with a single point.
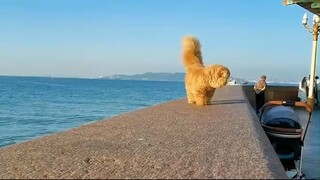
(281, 116)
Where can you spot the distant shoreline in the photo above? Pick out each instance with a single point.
(250, 83)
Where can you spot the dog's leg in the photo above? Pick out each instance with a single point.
(208, 97)
(200, 98)
(190, 97)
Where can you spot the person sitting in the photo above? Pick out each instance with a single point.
(302, 92)
(308, 85)
(315, 89)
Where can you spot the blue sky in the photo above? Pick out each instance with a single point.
(90, 38)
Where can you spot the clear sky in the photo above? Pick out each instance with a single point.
(90, 38)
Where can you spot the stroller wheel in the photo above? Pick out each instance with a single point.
(295, 175)
(292, 174)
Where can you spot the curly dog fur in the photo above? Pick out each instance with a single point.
(201, 81)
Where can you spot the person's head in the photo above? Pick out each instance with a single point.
(317, 77)
(263, 77)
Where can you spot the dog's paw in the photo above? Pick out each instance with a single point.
(200, 103)
(208, 103)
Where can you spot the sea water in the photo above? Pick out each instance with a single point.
(31, 107)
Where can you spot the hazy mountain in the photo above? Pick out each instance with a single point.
(150, 76)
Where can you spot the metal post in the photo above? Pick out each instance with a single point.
(313, 65)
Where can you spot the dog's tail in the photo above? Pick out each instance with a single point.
(191, 51)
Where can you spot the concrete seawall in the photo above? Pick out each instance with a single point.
(170, 140)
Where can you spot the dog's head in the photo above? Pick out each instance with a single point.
(217, 75)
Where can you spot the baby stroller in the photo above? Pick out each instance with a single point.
(284, 130)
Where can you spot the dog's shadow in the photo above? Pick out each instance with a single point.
(236, 101)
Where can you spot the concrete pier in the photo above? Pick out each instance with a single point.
(170, 140)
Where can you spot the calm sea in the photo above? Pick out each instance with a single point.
(31, 107)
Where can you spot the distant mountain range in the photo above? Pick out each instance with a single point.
(162, 76)
(149, 76)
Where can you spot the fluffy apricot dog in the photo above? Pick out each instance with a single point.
(201, 81)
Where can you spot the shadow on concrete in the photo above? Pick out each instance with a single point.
(240, 101)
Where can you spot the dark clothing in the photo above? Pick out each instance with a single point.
(260, 98)
(260, 88)
(316, 94)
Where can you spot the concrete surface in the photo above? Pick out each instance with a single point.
(170, 140)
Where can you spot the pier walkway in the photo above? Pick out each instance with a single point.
(311, 155)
